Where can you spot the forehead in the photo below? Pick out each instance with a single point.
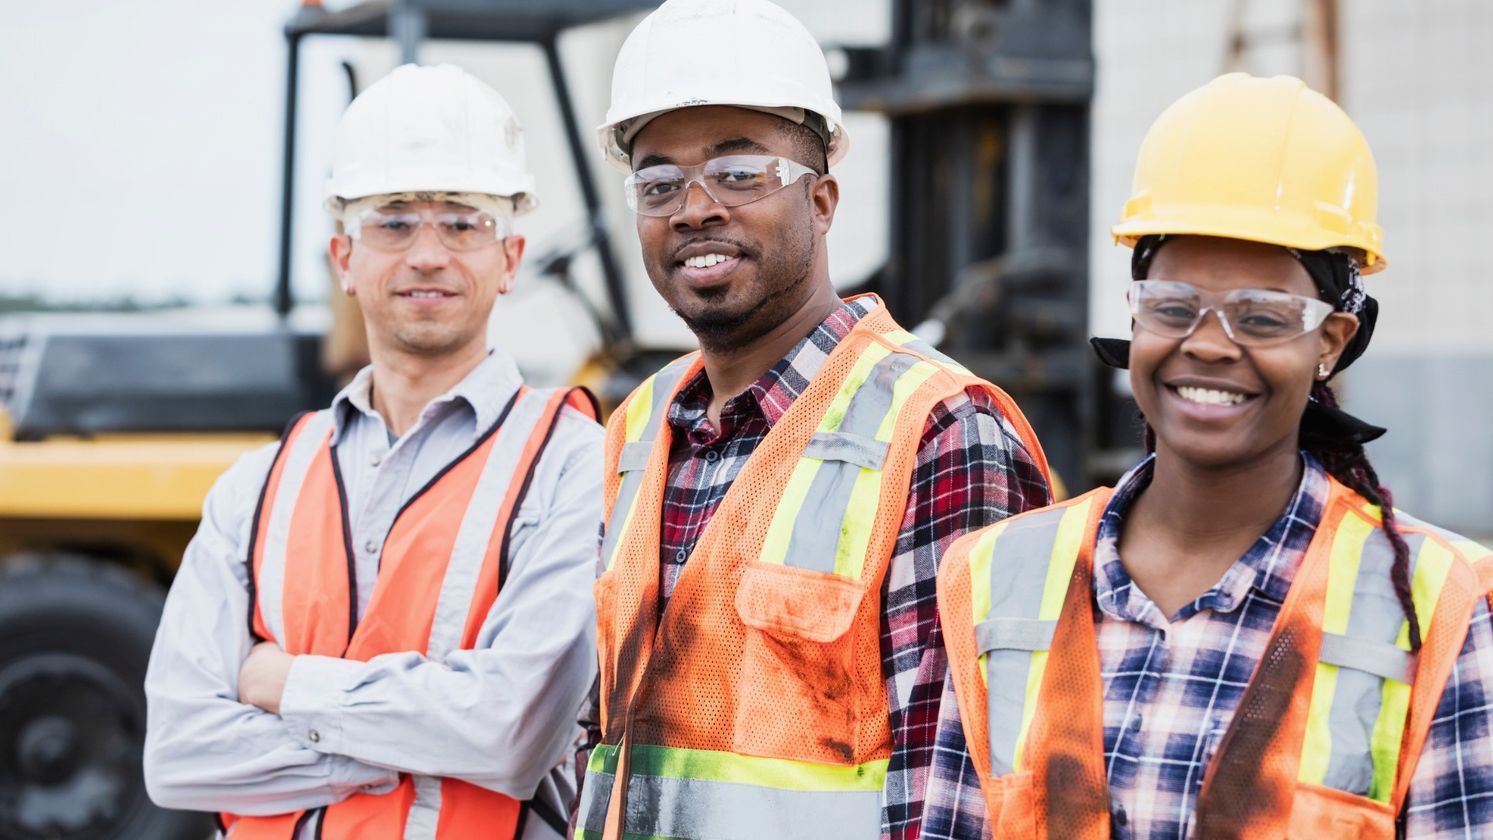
(1220, 264)
(692, 135)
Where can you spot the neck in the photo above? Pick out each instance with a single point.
(1192, 523)
(1198, 506)
(403, 384)
(731, 371)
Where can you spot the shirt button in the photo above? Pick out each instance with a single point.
(711, 456)
(313, 736)
(1121, 818)
(370, 546)
(681, 555)
(376, 459)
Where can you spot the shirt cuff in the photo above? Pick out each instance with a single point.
(311, 704)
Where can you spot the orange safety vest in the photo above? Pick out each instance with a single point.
(755, 704)
(442, 565)
(1326, 736)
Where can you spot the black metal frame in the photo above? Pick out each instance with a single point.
(411, 22)
(989, 109)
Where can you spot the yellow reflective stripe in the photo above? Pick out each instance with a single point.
(1471, 549)
(872, 355)
(639, 412)
(718, 766)
(640, 409)
(1431, 568)
(860, 513)
(780, 530)
(979, 582)
(1342, 576)
(1071, 532)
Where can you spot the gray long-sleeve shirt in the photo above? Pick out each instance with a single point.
(500, 716)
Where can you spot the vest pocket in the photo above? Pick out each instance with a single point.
(1319, 812)
(1008, 799)
(798, 686)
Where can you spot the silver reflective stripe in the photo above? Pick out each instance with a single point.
(818, 524)
(1378, 658)
(633, 459)
(478, 524)
(1374, 621)
(696, 808)
(425, 811)
(867, 452)
(634, 456)
(1016, 591)
(270, 582)
(596, 797)
(1028, 634)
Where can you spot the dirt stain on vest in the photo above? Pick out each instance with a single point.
(1239, 791)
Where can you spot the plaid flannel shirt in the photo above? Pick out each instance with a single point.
(1171, 687)
(971, 470)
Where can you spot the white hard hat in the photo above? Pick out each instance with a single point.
(746, 53)
(429, 129)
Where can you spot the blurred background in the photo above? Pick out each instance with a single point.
(191, 311)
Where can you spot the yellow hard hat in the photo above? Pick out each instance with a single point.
(1268, 160)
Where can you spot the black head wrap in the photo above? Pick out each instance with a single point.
(1336, 278)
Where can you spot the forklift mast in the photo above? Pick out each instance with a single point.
(412, 22)
(988, 105)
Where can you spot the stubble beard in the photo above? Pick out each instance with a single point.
(725, 330)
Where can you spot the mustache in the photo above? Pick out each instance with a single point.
(743, 247)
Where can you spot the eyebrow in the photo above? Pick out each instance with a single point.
(734, 144)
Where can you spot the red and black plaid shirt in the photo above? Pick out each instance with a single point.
(971, 470)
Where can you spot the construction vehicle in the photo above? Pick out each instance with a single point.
(112, 430)
(113, 427)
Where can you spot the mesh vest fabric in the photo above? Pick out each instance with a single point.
(1321, 705)
(764, 673)
(440, 572)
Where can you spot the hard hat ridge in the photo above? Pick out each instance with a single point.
(429, 130)
(742, 53)
(1268, 160)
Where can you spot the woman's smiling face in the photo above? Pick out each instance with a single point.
(1213, 403)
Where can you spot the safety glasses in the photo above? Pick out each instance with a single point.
(393, 227)
(1250, 317)
(731, 181)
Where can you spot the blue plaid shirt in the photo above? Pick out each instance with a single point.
(1170, 689)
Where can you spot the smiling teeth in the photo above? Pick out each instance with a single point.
(1208, 396)
(426, 294)
(705, 261)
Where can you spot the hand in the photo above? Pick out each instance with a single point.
(261, 679)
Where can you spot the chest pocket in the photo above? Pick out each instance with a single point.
(800, 682)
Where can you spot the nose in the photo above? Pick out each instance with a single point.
(699, 210)
(427, 253)
(1210, 340)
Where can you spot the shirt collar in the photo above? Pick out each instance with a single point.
(485, 391)
(773, 392)
(1268, 567)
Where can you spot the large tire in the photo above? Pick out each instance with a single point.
(75, 636)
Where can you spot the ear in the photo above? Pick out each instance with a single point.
(513, 251)
(341, 249)
(824, 197)
(1337, 331)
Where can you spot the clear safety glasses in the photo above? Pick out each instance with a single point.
(393, 227)
(731, 181)
(1250, 317)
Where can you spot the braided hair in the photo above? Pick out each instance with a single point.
(1332, 437)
